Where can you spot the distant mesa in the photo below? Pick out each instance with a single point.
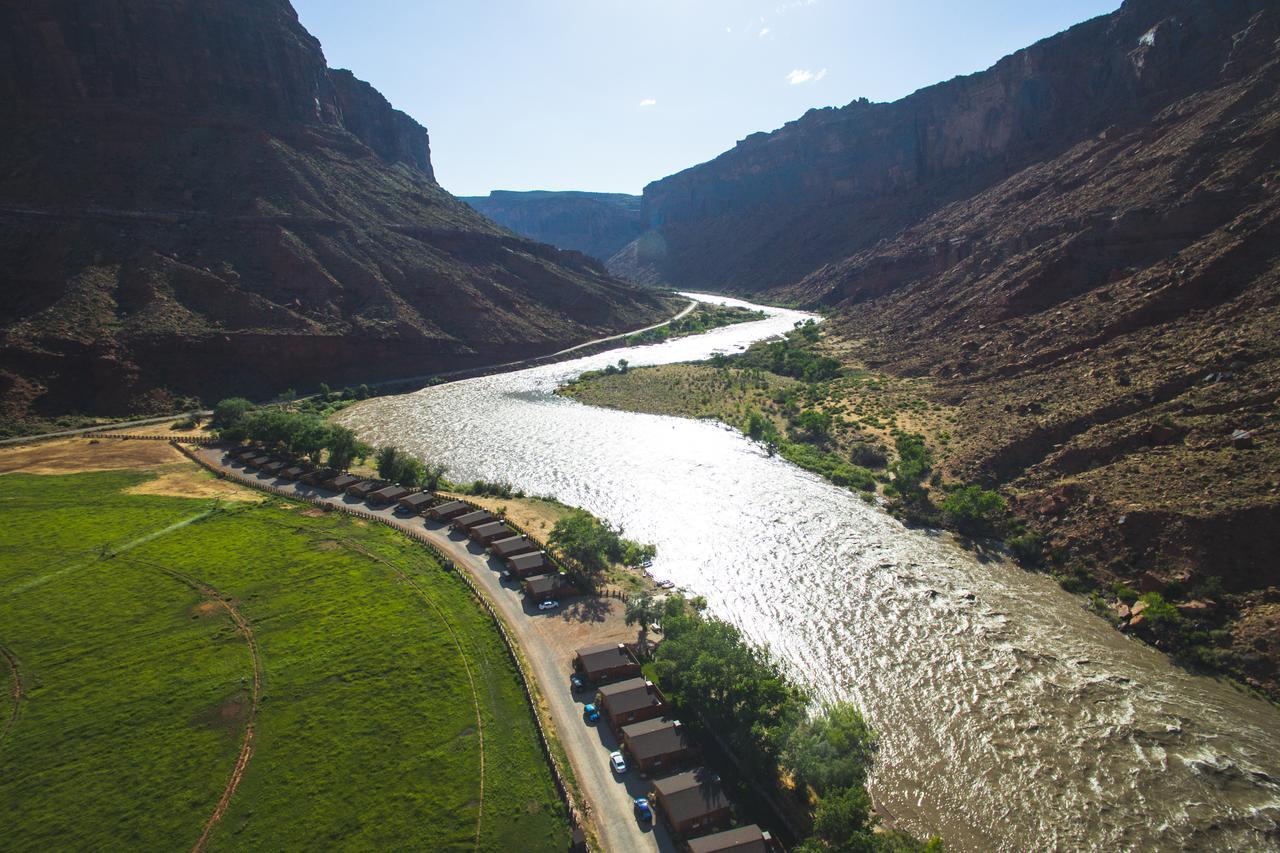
(596, 224)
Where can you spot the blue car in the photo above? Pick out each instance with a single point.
(590, 713)
(644, 813)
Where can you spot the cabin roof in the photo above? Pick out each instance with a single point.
(604, 656)
(505, 546)
(631, 695)
(472, 518)
(651, 738)
(544, 584)
(691, 795)
(744, 839)
(529, 561)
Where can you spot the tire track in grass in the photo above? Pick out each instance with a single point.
(457, 641)
(12, 660)
(247, 743)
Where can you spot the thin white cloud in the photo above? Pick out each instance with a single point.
(648, 102)
(804, 75)
(764, 31)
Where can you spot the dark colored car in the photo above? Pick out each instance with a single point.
(590, 713)
(644, 813)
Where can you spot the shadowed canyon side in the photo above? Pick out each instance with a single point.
(194, 204)
(1080, 249)
(597, 224)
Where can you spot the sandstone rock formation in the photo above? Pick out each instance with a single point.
(597, 224)
(194, 204)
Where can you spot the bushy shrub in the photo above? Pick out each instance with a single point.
(974, 511)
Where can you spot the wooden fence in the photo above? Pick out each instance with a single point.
(562, 787)
(201, 440)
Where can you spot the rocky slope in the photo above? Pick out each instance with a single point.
(194, 204)
(1080, 248)
(597, 224)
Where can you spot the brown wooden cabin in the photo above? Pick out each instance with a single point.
(471, 520)
(657, 745)
(274, 467)
(511, 546)
(364, 488)
(318, 476)
(416, 501)
(448, 510)
(544, 587)
(527, 565)
(493, 530)
(630, 702)
(388, 494)
(244, 454)
(258, 461)
(607, 662)
(744, 839)
(692, 803)
(293, 472)
(340, 482)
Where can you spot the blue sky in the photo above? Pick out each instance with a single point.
(608, 95)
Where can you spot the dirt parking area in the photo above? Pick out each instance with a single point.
(583, 621)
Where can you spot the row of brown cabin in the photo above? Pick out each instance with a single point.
(525, 562)
(691, 802)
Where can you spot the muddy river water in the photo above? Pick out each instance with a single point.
(1011, 718)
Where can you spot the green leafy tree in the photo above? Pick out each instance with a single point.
(816, 423)
(833, 750)
(739, 693)
(388, 462)
(912, 467)
(643, 610)
(432, 477)
(229, 412)
(410, 472)
(974, 510)
(344, 448)
(844, 822)
(581, 537)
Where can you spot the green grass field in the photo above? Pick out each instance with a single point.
(138, 684)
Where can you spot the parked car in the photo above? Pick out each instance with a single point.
(549, 604)
(576, 683)
(644, 812)
(590, 713)
(619, 763)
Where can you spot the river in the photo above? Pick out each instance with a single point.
(1010, 716)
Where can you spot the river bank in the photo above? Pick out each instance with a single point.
(970, 666)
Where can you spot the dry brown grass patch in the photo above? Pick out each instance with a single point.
(185, 480)
(78, 455)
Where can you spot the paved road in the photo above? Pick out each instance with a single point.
(23, 439)
(588, 747)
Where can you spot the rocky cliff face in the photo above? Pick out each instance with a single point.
(597, 224)
(1080, 249)
(846, 178)
(194, 204)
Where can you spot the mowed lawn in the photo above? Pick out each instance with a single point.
(137, 686)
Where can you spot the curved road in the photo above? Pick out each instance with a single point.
(609, 799)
